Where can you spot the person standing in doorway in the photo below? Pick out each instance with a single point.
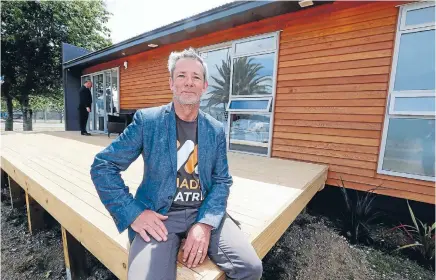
(85, 106)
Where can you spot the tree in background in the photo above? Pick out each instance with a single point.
(221, 91)
(246, 80)
(32, 34)
(46, 104)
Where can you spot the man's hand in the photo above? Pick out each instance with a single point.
(88, 109)
(150, 222)
(196, 245)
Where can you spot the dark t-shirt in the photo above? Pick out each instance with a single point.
(188, 193)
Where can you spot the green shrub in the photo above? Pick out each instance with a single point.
(359, 214)
(421, 237)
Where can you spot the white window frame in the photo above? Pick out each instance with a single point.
(247, 142)
(254, 38)
(266, 51)
(269, 99)
(276, 36)
(410, 94)
(390, 113)
(412, 7)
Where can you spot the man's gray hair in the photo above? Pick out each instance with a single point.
(187, 53)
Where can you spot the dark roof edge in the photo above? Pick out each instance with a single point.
(202, 18)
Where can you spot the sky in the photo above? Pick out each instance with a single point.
(133, 17)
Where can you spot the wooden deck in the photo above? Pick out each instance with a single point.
(53, 169)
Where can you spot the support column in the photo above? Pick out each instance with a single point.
(16, 194)
(35, 215)
(4, 179)
(75, 257)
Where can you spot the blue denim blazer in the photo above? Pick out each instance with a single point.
(152, 134)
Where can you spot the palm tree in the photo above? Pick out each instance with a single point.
(220, 93)
(246, 81)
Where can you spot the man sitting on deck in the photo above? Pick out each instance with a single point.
(185, 186)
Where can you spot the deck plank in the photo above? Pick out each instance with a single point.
(266, 196)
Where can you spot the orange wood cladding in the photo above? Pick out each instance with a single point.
(332, 86)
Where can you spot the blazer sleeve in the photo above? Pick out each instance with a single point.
(214, 206)
(105, 174)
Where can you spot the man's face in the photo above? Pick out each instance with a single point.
(88, 84)
(187, 83)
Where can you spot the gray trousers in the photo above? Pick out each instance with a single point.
(228, 248)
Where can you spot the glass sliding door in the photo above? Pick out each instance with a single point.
(98, 120)
(105, 98)
(115, 105)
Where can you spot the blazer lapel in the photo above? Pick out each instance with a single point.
(202, 142)
(170, 117)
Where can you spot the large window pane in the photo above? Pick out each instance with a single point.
(215, 100)
(249, 133)
(416, 61)
(107, 87)
(115, 94)
(249, 104)
(97, 99)
(420, 16)
(415, 104)
(255, 46)
(410, 146)
(253, 75)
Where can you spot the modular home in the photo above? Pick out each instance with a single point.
(349, 84)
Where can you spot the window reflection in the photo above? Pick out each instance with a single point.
(420, 16)
(416, 62)
(107, 76)
(246, 104)
(256, 45)
(410, 146)
(115, 97)
(98, 95)
(249, 133)
(214, 101)
(416, 104)
(253, 75)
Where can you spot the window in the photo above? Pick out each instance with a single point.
(412, 104)
(408, 142)
(246, 104)
(417, 15)
(215, 100)
(256, 45)
(250, 133)
(242, 89)
(252, 90)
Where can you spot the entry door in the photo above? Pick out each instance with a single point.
(105, 98)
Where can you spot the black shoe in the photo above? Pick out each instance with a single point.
(85, 133)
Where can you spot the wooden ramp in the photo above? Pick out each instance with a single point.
(53, 171)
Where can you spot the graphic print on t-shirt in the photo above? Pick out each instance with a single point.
(188, 193)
